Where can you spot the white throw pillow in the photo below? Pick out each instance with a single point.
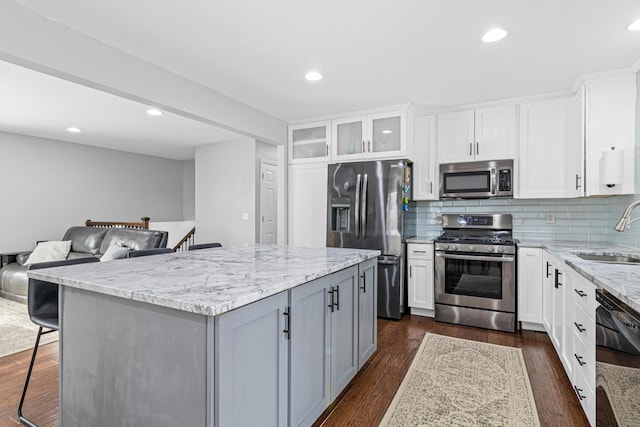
(115, 252)
(49, 251)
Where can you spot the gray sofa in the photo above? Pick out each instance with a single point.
(85, 242)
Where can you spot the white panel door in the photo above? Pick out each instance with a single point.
(420, 284)
(268, 202)
(367, 311)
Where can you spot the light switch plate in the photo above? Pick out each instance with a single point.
(245, 216)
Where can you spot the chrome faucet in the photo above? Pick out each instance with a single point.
(624, 222)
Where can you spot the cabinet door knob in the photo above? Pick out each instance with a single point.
(579, 359)
(364, 283)
(331, 299)
(287, 322)
(579, 292)
(579, 326)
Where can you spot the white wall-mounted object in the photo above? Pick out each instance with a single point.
(612, 167)
(420, 278)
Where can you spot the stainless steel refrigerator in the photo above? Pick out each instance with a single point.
(365, 211)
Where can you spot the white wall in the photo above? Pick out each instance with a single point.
(225, 189)
(48, 186)
(189, 190)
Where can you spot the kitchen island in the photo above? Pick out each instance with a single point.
(253, 335)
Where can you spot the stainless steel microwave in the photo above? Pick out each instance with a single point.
(476, 180)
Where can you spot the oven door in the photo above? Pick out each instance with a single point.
(482, 281)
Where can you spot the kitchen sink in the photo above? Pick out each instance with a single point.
(610, 259)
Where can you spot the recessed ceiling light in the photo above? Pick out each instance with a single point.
(494, 35)
(74, 130)
(387, 131)
(154, 112)
(313, 76)
(635, 26)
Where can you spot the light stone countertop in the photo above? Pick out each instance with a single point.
(206, 281)
(423, 238)
(622, 281)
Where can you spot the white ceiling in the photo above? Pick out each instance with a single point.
(372, 53)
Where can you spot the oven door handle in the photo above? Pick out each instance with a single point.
(476, 258)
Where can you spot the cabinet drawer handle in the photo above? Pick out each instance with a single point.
(579, 292)
(363, 148)
(331, 300)
(410, 271)
(579, 359)
(364, 283)
(369, 146)
(470, 149)
(578, 178)
(579, 326)
(477, 148)
(337, 294)
(548, 265)
(431, 187)
(578, 391)
(287, 322)
(419, 252)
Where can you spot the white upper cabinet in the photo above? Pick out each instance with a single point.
(372, 136)
(481, 134)
(309, 142)
(425, 166)
(610, 111)
(550, 153)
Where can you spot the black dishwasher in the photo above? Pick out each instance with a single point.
(617, 362)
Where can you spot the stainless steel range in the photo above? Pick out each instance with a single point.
(475, 271)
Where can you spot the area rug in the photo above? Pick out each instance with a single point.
(622, 385)
(17, 331)
(457, 382)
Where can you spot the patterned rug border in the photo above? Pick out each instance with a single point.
(407, 378)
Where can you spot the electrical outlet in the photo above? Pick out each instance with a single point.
(550, 218)
(245, 216)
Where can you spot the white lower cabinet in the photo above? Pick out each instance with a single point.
(530, 287)
(253, 365)
(568, 315)
(420, 278)
(584, 343)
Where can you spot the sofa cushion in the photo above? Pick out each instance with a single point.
(49, 251)
(133, 239)
(22, 258)
(115, 252)
(85, 239)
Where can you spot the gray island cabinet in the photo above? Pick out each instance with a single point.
(255, 335)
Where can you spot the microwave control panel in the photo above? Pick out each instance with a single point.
(504, 180)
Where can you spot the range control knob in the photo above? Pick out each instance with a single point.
(454, 247)
(500, 249)
(445, 246)
(471, 248)
(490, 249)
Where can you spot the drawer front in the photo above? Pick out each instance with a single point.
(419, 251)
(586, 396)
(584, 362)
(584, 328)
(584, 294)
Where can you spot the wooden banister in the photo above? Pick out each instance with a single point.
(186, 241)
(143, 224)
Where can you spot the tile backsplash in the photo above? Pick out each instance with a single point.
(590, 219)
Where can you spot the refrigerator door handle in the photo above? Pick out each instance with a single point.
(363, 216)
(357, 206)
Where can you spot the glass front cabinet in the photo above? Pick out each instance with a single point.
(309, 142)
(372, 136)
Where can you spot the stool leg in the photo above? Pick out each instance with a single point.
(26, 382)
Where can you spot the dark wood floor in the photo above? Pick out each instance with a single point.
(367, 397)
